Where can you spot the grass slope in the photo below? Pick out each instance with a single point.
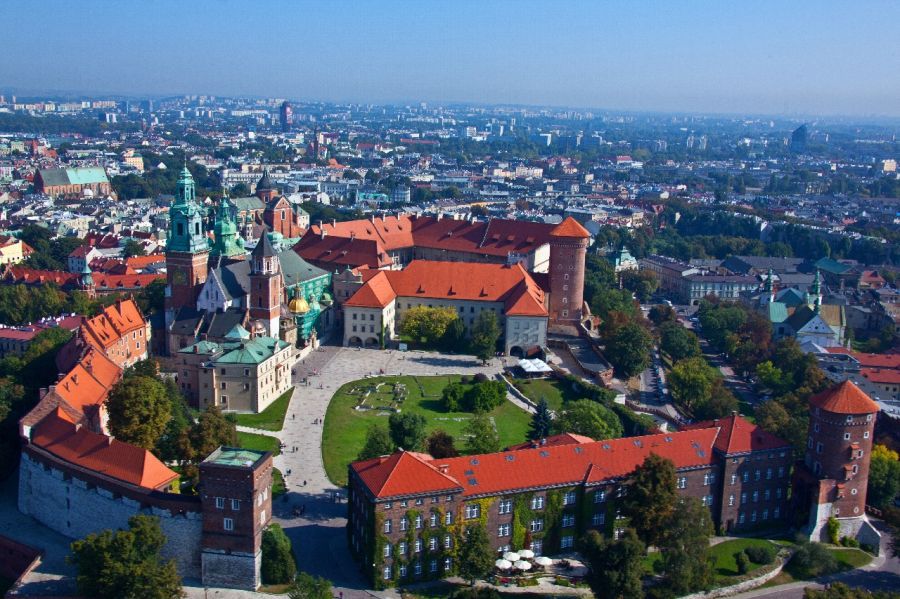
(270, 419)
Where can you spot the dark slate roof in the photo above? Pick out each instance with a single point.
(263, 248)
(187, 320)
(219, 324)
(297, 270)
(235, 278)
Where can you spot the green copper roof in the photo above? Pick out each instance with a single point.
(237, 332)
(202, 347)
(227, 242)
(232, 456)
(252, 351)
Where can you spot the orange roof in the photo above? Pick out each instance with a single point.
(891, 360)
(89, 381)
(884, 377)
(116, 321)
(467, 281)
(99, 453)
(593, 462)
(845, 398)
(570, 228)
(738, 435)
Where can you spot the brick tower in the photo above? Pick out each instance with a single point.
(236, 503)
(266, 286)
(836, 465)
(568, 248)
(265, 189)
(187, 249)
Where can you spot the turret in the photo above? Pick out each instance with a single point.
(568, 250)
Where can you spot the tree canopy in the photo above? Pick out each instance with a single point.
(475, 557)
(651, 498)
(426, 326)
(139, 410)
(684, 545)
(617, 566)
(698, 388)
(588, 418)
(307, 586)
(884, 477)
(485, 334)
(628, 349)
(482, 436)
(407, 430)
(677, 342)
(378, 443)
(278, 566)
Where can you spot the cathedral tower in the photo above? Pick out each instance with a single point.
(227, 244)
(187, 249)
(568, 249)
(266, 286)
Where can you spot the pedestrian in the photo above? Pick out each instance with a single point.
(304, 483)
(293, 416)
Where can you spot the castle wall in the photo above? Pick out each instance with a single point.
(77, 506)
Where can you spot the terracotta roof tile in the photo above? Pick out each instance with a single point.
(845, 398)
(570, 228)
(739, 435)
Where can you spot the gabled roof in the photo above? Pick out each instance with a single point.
(845, 398)
(375, 293)
(113, 323)
(570, 228)
(404, 473)
(867, 360)
(739, 435)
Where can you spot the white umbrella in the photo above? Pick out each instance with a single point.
(543, 560)
(503, 564)
(521, 565)
(526, 554)
(509, 555)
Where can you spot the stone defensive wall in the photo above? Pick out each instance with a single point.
(75, 502)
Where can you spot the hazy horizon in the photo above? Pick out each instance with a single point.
(796, 59)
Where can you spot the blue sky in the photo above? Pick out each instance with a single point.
(792, 57)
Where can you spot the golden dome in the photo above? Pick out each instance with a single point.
(298, 305)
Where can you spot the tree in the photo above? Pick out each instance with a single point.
(629, 349)
(677, 342)
(643, 283)
(697, 388)
(378, 443)
(211, 431)
(475, 556)
(307, 586)
(651, 497)
(884, 477)
(661, 313)
(617, 567)
(486, 395)
(684, 545)
(588, 418)
(151, 299)
(454, 338)
(440, 445)
(407, 430)
(482, 436)
(427, 326)
(485, 334)
(541, 421)
(814, 559)
(138, 409)
(125, 564)
(278, 566)
(132, 248)
(453, 397)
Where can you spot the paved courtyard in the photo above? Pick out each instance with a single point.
(319, 537)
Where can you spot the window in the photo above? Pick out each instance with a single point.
(432, 544)
(768, 494)
(235, 505)
(418, 521)
(567, 542)
(731, 500)
(220, 503)
(386, 573)
(733, 478)
(387, 526)
(503, 530)
(537, 502)
(618, 533)
(448, 518)
(246, 372)
(778, 493)
(866, 435)
(404, 524)
(569, 498)
(387, 549)
(537, 546)
(846, 436)
(403, 571)
(706, 479)
(417, 568)
(781, 472)
(598, 519)
(746, 477)
(401, 548)
(765, 514)
(432, 566)
(755, 496)
(741, 518)
(473, 510)
(447, 564)
(418, 546)
(599, 496)
(753, 516)
(743, 498)
(537, 525)
(505, 506)
(228, 524)
(776, 513)
(682, 482)
(757, 475)
(433, 520)
(448, 542)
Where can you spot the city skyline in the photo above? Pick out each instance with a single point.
(649, 58)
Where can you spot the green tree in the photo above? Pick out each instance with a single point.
(439, 444)
(378, 443)
(541, 421)
(453, 397)
(698, 389)
(307, 586)
(139, 410)
(407, 430)
(278, 566)
(132, 248)
(475, 555)
(427, 326)
(482, 436)
(651, 498)
(629, 349)
(125, 564)
(617, 567)
(485, 334)
(151, 299)
(812, 560)
(486, 395)
(643, 283)
(684, 546)
(588, 418)
(884, 477)
(677, 342)
(662, 313)
(454, 338)
(211, 431)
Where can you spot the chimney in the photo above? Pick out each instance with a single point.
(324, 234)
(334, 222)
(443, 468)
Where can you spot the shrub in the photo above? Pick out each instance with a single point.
(834, 528)
(481, 377)
(278, 566)
(814, 559)
(764, 554)
(849, 542)
(742, 562)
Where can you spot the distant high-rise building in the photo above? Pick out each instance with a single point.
(147, 105)
(799, 138)
(287, 116)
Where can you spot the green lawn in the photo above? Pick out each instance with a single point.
(851, 558)
(723, 553)
(259, 442)
(555, 392)
(848, 559)
(270, 419)
(345, 429)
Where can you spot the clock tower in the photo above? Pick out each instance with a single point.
(187, 249)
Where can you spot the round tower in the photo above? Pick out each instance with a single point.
(838, 450)
(568, 248)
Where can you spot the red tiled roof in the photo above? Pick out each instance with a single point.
(870, 360)
(570, 228)
(845, 398)
(22, 274)
(509, 284)
(553, 465)
(99, 453)
(739, 435)
(562, 439)
(342, 251)
(116, 321)
(881, 376)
